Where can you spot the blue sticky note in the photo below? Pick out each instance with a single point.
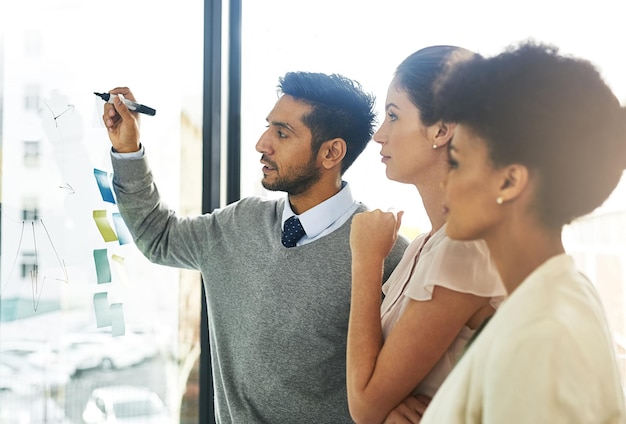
(118, 328)
(104, 184)
(102, 309)
(123, 234)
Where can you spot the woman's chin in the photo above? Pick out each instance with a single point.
(456, 233)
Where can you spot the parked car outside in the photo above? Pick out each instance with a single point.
(98, 350)
(125, 405)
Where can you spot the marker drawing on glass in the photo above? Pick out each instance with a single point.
(129, 104)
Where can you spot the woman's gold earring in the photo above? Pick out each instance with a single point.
(435, 146)
(499, 200)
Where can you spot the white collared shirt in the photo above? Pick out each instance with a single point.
(326, 217)
(133, 155)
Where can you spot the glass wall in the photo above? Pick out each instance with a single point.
(366, 40)
(86, 323)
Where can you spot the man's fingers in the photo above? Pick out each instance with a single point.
(124, 91)
(110, 117)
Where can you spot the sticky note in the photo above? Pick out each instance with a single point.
(117, 258)
(102, 309)
(117, 266)
(104, 184)
(122, 230)
(118, 327)
(103, 271)
(100, 216)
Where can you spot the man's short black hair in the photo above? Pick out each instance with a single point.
(340, 109)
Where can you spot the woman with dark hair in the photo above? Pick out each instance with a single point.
(540, 141)
(441, 290)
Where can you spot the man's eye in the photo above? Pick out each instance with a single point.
(281, 134)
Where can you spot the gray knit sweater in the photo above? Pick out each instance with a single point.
(278, 317)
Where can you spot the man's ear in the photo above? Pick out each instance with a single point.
(514, 181)
(442, 133)
(332, 152)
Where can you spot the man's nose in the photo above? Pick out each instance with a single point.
(264, 144)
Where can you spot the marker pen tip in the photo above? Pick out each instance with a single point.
(103, 96)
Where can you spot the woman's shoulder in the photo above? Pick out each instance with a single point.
(460, 250)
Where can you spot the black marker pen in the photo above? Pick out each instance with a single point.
(129, 104)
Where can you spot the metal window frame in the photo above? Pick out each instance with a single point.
(212, 149)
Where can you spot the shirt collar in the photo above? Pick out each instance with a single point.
(322, 216)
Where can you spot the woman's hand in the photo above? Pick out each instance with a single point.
(408, 412)
(374, 233)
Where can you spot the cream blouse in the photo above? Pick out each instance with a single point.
(547, 356)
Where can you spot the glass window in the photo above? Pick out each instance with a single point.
(93, 312)
(30, 210)
(31, 97)
(28, 264)
(31, 153)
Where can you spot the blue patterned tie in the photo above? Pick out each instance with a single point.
(293, 232)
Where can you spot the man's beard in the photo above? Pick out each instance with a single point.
(306, 176)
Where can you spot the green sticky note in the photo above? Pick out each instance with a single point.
(103, 270)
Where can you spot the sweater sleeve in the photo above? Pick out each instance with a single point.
(162, 236)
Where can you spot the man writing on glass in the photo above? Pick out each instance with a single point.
(277, 273)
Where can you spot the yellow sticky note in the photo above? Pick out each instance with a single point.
(117, 263)
(104, 227)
